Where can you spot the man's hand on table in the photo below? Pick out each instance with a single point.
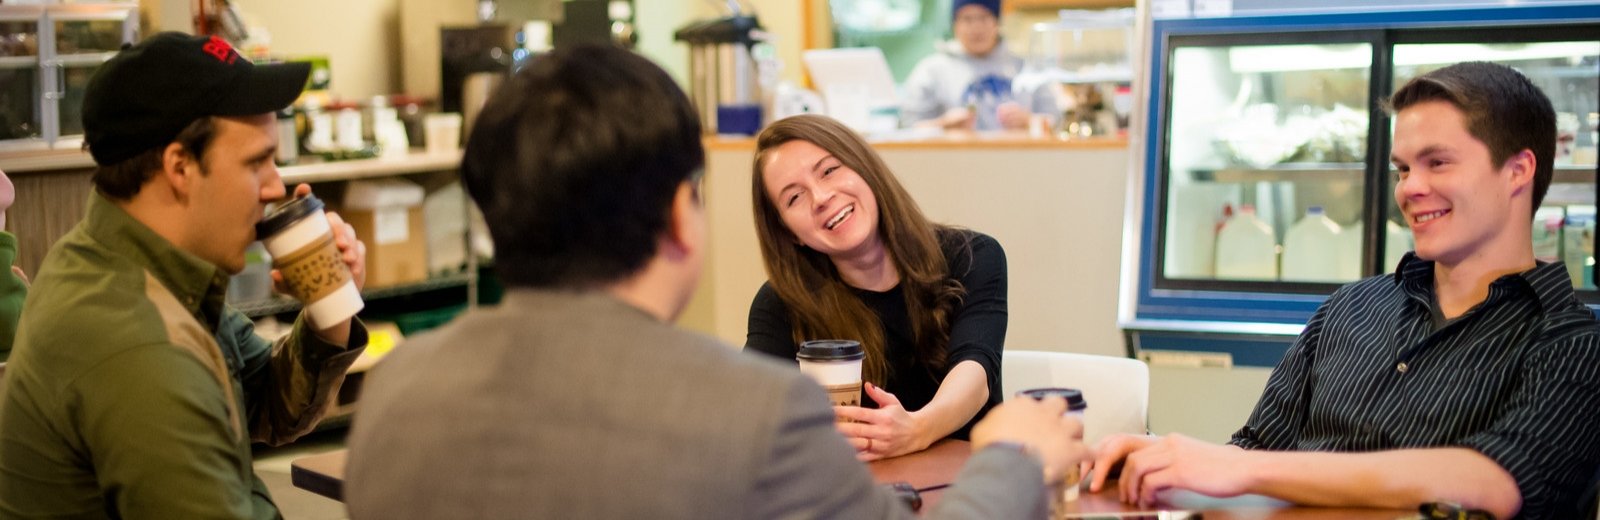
(1153, 464)
(1040, 428)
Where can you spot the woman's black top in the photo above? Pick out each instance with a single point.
(977, 327)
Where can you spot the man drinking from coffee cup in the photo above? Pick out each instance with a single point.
(133, 391)
(1468, 376)
(576, 397)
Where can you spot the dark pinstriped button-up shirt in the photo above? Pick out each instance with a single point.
(1516, 378)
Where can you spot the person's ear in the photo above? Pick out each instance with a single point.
(179, 168)
(1522, 166)
(685, 227)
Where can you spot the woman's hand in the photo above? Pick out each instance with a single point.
(889, 431)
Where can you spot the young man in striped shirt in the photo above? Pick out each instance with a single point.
(1470, 376)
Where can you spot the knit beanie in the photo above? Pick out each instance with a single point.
(992, 5)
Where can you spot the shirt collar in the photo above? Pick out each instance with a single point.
(1548, 281)
(200, 285)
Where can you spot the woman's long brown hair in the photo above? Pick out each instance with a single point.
(821, 305)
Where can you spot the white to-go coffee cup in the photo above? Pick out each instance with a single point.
(442, 132)
(301, 243)
(1076, 405)
(836, 365)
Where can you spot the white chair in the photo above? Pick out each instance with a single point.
(1116, 389)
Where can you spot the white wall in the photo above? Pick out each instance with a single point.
(387, 46)
(658, 19)
(361, 39)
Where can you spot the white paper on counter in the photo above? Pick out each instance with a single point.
(1213, 8)
(390, 225)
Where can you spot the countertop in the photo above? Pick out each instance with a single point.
(415, 161)
(948, 140)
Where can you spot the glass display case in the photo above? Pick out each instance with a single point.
(1266, 175)
(1264, 165)
(20, 87)
(1085, 59)
(47, 55)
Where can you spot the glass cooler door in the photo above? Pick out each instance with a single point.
(1565, 64)
(20, 114)
(85, 37)
(1264, 163)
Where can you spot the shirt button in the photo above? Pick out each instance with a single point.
(1401, 367)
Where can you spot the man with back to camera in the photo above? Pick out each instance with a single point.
(967, 82)
(134, 392)
(1471, 375)
(576, 398)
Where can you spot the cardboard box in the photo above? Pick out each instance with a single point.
(387, 215)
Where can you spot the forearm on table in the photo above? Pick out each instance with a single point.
(305, 371)
(1393, 479)
(964, 391)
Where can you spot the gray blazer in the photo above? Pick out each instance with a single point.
(577, 405)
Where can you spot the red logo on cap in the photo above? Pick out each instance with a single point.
(219, 49)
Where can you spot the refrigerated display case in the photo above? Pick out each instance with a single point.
(47, 55)
(1265, 179)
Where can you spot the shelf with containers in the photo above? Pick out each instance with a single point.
(1266, 181)
(448, 266)
(48, 52)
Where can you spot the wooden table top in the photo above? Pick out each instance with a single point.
(323, 474)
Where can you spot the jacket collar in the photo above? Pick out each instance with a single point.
(200, 285)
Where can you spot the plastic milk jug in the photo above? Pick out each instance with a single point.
(1311, 249)
(1246, 248)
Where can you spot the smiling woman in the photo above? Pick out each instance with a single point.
(849, 255)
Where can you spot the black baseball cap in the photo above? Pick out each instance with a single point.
(146, 94)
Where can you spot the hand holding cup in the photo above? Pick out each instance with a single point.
(1040, 427)
(317, 259)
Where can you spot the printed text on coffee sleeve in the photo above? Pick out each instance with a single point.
(314, 270)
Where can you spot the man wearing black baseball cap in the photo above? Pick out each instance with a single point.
(133, 391)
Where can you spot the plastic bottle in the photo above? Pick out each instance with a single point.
(1246, 248)
(1312, 249)
(1547, 233)
(1577, 240)
(1350, 252)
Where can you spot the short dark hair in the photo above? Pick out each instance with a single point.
(121, 181)
(1504, 110)
(575, 162)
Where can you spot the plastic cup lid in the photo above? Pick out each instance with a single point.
(831, 350)
(1073, 396)
(287, 214)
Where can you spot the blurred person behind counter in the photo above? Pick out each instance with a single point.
(967, 82)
